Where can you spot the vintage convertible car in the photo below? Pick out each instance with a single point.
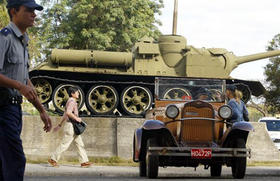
(188, 127)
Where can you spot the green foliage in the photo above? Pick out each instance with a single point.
(254, 114)
(4, 18)
(272, 72)
(98, 24)
(90, 24)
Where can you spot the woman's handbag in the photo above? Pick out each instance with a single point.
(79, 127)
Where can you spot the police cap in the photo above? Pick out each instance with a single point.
(26, 3)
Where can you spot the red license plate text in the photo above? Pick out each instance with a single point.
(201, 153)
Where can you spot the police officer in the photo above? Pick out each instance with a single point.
(14, 82)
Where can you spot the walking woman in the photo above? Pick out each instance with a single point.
(71, 112)
(239, 110)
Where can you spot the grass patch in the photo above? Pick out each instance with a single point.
(264, 163)
(29, 109)
(100, 161)
(112, 161)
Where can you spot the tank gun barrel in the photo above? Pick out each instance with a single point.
(257, 56)
(91, 58)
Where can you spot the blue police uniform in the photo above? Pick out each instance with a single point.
(14, 65)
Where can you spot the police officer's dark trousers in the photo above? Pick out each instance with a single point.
(12, 159)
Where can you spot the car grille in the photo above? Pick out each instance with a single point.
(197, 130)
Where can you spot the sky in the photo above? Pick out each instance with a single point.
(240, 26)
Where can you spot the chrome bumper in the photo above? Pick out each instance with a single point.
(186, 151)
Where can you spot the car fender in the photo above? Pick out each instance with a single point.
(242, 125)
(153, 125)
(137, 144)
(238, 130)
(151, 129)
(137, 141)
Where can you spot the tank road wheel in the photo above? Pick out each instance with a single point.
(238, 167)
(43, 89)
(136, 100)
(60, 97)
(102, 99)
(176, 93)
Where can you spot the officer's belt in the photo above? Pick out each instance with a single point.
(7, 98)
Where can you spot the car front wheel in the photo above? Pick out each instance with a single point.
(238, 167)
(152, 161)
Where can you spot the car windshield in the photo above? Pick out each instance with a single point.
(210, 90)
(272, 125)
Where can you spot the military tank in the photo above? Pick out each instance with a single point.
(124, 81)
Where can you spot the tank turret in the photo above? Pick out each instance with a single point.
(170, 56)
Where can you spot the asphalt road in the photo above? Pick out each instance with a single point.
(43, 172)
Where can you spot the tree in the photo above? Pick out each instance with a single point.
(4, 18)
(272, 72)
(113, 25)
(90, 24)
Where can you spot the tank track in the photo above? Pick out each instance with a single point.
(97, 82)
(90, 82)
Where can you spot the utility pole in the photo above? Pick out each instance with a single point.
(174, 29)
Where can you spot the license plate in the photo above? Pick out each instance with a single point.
(201, 153)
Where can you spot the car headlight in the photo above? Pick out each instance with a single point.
(172, 111)
(225, 112)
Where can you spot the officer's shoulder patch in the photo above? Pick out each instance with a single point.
(5, 31)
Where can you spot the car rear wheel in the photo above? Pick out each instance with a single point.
(152, 161)
(238, 167)
(216, 170)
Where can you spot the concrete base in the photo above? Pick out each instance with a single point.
(108, 137)
(262, 147)
(104, 137)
